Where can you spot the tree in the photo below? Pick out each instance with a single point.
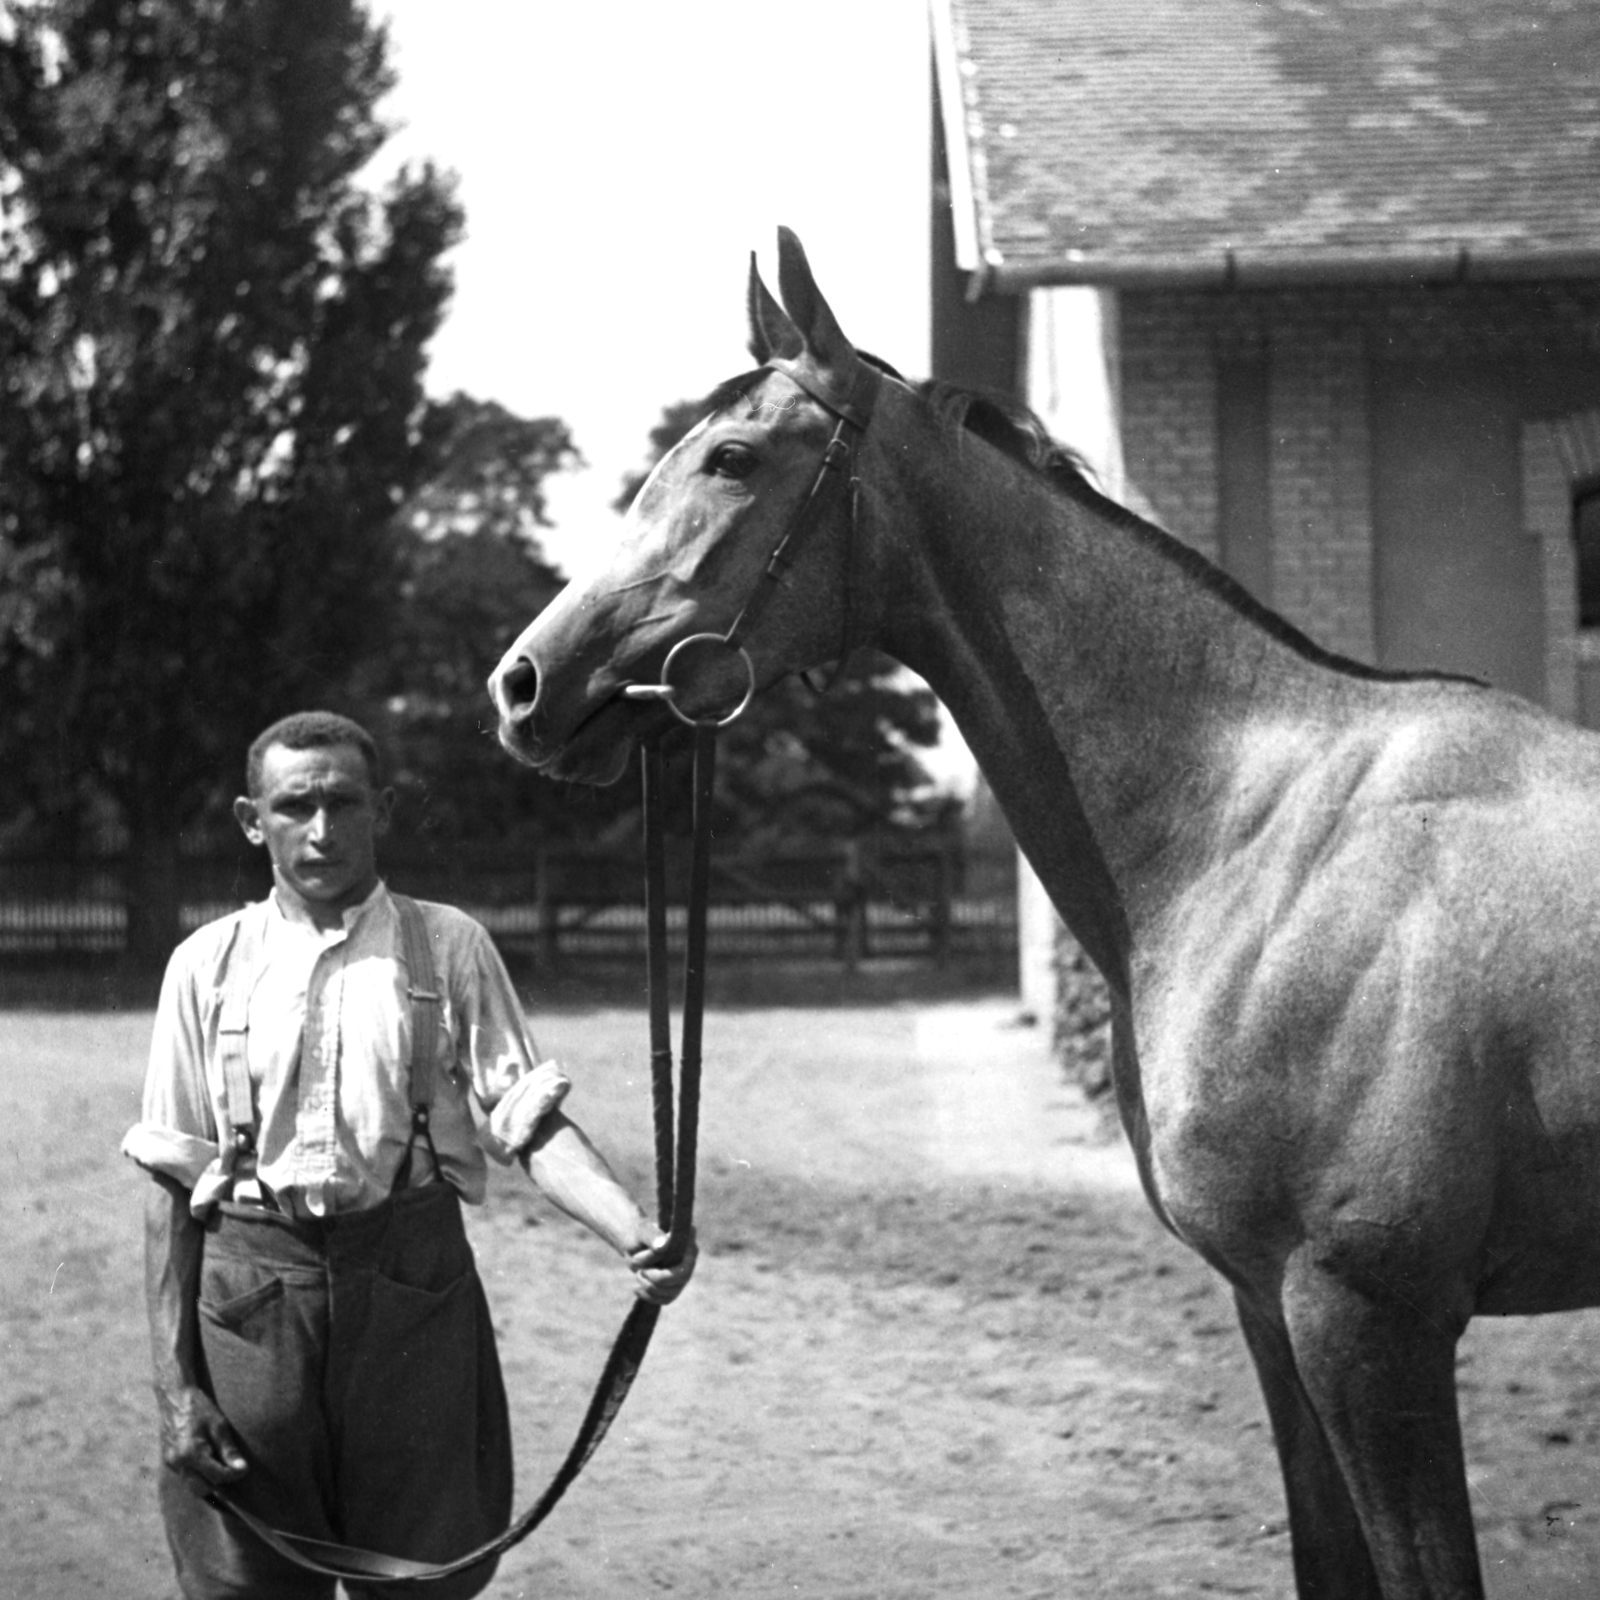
(474, 576)
(211, 352)
(803, 769)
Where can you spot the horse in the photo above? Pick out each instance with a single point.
(1352, 948)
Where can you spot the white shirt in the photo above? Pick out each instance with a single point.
(329, 1055)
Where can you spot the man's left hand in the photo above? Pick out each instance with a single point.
(662, 1285)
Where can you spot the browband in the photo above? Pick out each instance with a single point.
(854, 407)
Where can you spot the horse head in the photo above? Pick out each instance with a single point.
(696, 549)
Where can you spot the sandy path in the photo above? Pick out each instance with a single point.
(938, 1348)
(1000, 1111)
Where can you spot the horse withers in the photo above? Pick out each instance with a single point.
(1349, 919)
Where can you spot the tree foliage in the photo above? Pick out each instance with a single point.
(211, 351)
(474, 576)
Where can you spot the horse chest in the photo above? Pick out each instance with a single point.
(1212, 1145)
(1243, 1043)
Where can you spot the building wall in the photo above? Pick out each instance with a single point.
(1302, 367)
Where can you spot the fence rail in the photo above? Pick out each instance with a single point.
(561, 907)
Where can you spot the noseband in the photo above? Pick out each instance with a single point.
(852, 411)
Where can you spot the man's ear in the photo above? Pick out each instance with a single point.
(383, 810)
(246, 815)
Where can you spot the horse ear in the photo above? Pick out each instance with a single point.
(824, 339)
(801, 338)
(771, 331)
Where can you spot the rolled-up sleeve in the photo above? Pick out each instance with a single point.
(496, 1048)
(176, 1133)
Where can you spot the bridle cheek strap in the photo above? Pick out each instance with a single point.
(832, 475)
(852, 411)
(852, 414)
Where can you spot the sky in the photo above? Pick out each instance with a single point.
(618, 162)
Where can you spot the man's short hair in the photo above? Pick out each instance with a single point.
(311, 730)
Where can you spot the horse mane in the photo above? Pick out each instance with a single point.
(1011, 428)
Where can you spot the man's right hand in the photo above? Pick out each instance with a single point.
(196, 1441)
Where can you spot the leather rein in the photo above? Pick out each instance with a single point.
(676, 1125)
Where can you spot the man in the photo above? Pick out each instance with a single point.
(329, 1069)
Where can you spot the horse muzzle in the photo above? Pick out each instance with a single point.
(514, 689)
(592, 750)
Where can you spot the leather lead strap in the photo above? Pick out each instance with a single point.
(674, 1146)
(655, 907)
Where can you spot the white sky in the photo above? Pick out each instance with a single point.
(619, 161)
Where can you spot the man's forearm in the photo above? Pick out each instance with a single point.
(173, 1243)
(573, 1176)
(195, 1437)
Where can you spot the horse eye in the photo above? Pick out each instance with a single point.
(733, 461)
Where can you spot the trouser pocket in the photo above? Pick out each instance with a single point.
(243, 1314)
(261, 1334)
(425, 1465)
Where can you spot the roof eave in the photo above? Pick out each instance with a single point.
(1278, 269)
(958, 148)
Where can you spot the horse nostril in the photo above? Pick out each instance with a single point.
(519, 688)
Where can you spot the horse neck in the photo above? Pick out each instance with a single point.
(1100, 684)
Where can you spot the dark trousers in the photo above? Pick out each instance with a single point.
(355, 1359)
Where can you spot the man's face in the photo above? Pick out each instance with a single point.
(320, 819)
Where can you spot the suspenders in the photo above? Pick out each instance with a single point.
(426, 1006)
(241, 962)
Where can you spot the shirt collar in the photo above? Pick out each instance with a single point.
(353, 915)
(359, 913)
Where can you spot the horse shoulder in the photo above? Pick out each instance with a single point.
(1339, 1013)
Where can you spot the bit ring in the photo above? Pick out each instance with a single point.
(667, 692)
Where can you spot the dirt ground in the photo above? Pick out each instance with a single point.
(937, 1346)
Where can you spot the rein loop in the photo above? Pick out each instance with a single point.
(676, 1132)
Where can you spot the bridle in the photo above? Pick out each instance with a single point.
(851, 409)
(676, 1128)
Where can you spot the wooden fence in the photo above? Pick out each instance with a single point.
(565, 907)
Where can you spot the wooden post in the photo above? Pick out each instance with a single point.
(850, 910)
(547, 916)
(939, 932)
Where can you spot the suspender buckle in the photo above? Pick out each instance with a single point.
(241, 1148)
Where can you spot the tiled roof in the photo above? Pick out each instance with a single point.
(1194, 140)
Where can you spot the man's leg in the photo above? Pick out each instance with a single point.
(424, 1454)
(263, 1320)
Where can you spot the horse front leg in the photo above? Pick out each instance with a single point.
(1330, 1550)
(1379, 1369)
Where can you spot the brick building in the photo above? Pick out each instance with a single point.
(1313, 283)
(1344, 260)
